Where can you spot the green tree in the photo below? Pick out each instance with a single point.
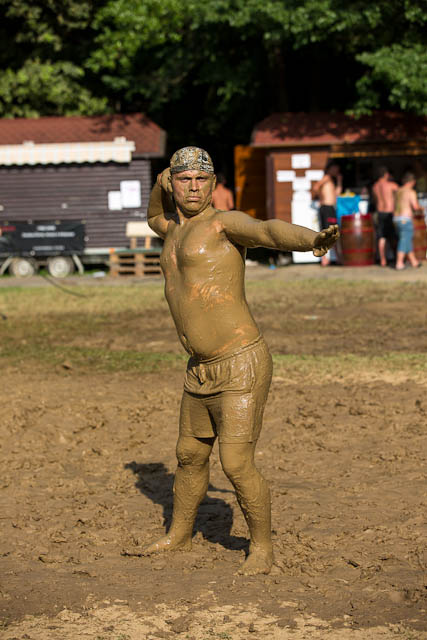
(208, 71)
(44, 46)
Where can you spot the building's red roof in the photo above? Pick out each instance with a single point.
(294, 129)
(149, 139)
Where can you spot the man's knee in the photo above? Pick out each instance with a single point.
(237, 460)
(191, 451)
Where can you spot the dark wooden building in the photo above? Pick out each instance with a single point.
(275, 174)
(95, 169)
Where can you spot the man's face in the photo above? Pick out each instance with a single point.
(192, 190)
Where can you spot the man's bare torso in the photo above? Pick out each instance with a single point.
(384, 191)
(204, 274)
(327, 193)
(222, 198)
(406, 202)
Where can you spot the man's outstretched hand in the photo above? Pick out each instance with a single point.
(325, 239)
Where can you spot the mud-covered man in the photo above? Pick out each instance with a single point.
(229, 370)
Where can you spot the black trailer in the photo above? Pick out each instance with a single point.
(26, 246)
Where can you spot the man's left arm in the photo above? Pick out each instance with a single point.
(276, 234)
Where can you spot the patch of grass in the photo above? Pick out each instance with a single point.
(343, 364)
(95, 359)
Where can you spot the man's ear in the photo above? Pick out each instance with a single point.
(213, 183)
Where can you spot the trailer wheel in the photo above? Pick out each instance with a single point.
(22, 267)
(60, 266)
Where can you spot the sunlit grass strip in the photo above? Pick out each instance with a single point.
(350, 363)
(107, 360)
(94, 359)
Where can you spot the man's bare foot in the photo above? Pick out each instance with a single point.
(170, 542)
(259, 560)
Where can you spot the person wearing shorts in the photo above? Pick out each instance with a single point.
(326, 190)
(229, 371)
(406, 204)
(384, 190)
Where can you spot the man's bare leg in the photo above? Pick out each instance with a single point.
(253, 496)
(190, 486)
(400, 260)
(381, 251)
(412, 259)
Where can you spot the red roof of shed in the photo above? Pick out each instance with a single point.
(149, 139)
(294, 129)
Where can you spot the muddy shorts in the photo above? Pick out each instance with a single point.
(226, 396)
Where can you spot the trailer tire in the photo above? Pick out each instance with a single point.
(23, 267)
(60, 266)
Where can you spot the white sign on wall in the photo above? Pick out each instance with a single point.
(301, 161)
(285, 176)
(301, 196)
(114, 200)
(301, 184)
(314, 174)
(131, 193)
(304, 214)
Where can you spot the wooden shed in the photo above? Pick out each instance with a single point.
(275, 174)
(96, 169)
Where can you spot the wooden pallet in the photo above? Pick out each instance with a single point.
(140, 263)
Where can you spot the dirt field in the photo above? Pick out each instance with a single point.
(91, 386)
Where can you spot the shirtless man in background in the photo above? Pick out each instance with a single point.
(405, 204)
(327, 190)
(222, 197)
(384, 190)
(229, 371)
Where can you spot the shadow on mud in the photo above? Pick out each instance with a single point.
(214, 518)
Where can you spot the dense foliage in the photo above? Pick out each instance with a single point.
(213, 68)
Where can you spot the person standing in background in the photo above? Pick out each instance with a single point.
(327, 190)
(222, 196)
(405, 205)
(384, 190)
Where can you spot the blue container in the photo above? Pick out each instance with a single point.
(347, 206)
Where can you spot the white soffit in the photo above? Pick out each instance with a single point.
(119, 150)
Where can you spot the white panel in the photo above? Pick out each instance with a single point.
(301, 184)
(304, 214)
(314, 174)
(285, 176)
(301, 161)
(115, 200)
(301, 196)
(131, 193)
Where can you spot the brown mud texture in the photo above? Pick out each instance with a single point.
(87, 458)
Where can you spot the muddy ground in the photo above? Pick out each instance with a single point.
(87, 458)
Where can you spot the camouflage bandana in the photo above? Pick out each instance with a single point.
(189, 158)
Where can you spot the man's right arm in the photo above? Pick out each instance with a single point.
(160, 207)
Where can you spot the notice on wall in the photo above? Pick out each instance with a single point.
(301, 161)
(301, 196)
(314, 174)
(115, 200)
(301, 184)
(285, 176)
(304, 214)
(130, 193)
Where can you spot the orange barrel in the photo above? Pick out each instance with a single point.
(420, 236)
(357, 240)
